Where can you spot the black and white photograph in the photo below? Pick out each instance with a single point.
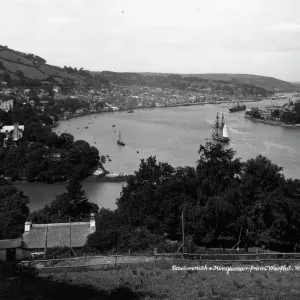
(150, 149)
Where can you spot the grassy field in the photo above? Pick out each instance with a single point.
(139, 283)
(14, 62)
(28, 71)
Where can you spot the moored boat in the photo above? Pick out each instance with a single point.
(238, 107)
(120, 141)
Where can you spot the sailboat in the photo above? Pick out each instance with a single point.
(120, 141)
(95, 141)
(220, 132)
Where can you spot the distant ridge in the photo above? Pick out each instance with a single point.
(25, 68)
(268, 83)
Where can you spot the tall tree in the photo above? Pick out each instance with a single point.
(73, 204)
(13, 211)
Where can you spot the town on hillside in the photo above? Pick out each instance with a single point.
(60, 102)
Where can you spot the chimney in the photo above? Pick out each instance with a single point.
(27, 226)
(92, 223)
(16, 128)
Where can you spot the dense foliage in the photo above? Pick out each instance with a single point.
(43, 155)
(221, 199)
(72, 205)
(13, 211)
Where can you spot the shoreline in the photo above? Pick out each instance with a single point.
(273, 123)
(149, 107)
(113, 177)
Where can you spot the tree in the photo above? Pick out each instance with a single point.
(50, 91)
(107, 232)
(36, 161)
(139, 203)
(65, 140)
(83, 159)
(217, 170)
(259, 180)
(275, 113)
(218, 174)
(254, 113)
(46, 119)
(13, 211)
(27, 112)
(20, 73)
(36, 132)
(7, 78)
(14, 161)
(73, 205)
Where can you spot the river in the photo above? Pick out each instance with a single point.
(172, 134)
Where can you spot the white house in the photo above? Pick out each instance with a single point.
(7, 105)
(16, 130)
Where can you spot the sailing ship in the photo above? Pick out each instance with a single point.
(236, 108)
(220, 132)
(120, 141)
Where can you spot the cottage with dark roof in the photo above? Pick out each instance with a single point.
(38, 237)
(11, 250)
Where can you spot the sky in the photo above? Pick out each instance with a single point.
(259, 37)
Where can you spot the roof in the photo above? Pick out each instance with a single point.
(58, 235)
(8, 244)
(10, 128)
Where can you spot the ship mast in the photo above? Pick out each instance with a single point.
(217, 123)
(222, 120)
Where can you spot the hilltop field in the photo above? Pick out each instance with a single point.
(19, 69)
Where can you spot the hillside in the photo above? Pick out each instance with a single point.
(20, 68)
(160, 79)
(268, 83)
(29, 69)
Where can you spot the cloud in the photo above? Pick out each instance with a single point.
(59, 20)
(32, 1)
(286, 27)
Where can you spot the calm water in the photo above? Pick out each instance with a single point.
(173, 135)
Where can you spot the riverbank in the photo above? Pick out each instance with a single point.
(150, 107)
(108, 177)
(268, 122)
(104, 177)
(273, 123)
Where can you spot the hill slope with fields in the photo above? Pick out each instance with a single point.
(25, 67)
(20, 66)
(159, 79)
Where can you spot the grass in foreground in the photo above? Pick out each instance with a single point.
(140, 283)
